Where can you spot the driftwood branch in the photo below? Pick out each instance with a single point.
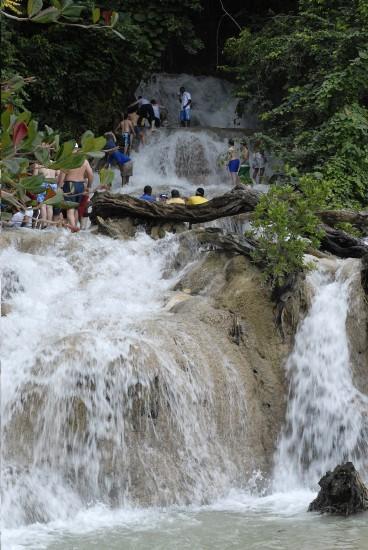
(236, 201)
(332, 217)
(341, 244)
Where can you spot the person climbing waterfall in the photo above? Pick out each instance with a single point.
(144, 110)
(114, 155)
(126, 131)
(185, 99)
(233, 162)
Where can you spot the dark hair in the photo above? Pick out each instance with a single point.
(147, 190)
(153, 102)
(200, 191)
(175, 193)
(231, 142)
(125, 115)
(182, 89)
(139, 97)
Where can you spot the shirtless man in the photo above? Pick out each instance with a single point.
(126, 130)
(73, 185)
(233, 162)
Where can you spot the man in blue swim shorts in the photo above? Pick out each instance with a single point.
(233, 162)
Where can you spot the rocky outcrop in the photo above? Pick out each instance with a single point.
(342, 492)
(230, 303)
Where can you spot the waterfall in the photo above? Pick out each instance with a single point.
(327, 416)
(214, 104)
(106, 398)
(182, 160)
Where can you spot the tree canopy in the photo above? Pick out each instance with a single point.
(306, 74)
(85, 79)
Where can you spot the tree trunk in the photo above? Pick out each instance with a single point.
(332, 217)
(239, 200)
(236, 201)
(341, 244)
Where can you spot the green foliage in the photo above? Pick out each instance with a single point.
(307, 74)
(285, 224)
(84, 79)
(22, 144)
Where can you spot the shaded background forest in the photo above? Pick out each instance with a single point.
(85, 78)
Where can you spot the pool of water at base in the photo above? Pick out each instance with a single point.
(239, 522)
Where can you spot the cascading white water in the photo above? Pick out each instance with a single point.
(104, 397)
(182, 160)
(214, 104)
(327, 416)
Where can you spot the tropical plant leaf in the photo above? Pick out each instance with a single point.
(20, 131)
(49, 15)
(33, 7)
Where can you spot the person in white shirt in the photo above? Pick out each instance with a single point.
(185, 101)
(16, 219)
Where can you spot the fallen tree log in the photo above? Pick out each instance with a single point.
(342, 244)
(333, 217)
(239, 200)
(342, 492)
(236, 201)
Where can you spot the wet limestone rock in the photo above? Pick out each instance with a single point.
(342, 492)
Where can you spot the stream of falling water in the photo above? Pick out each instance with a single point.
(327, 416)
(101, 406)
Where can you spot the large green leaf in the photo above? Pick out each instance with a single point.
(13, 165)
(42, 154)
(66, 149)
(33, 7)
(32, 183)
(73, 161)
(57, 199)
(49, 15)
(106, 176)
(114, 18)
(72, 11)
(99, 143)
(96, 14)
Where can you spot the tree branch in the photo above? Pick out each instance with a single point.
(64, 24)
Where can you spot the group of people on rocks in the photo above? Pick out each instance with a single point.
(239, 165)
(76, 183)
(197, 198)
(132, 128)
